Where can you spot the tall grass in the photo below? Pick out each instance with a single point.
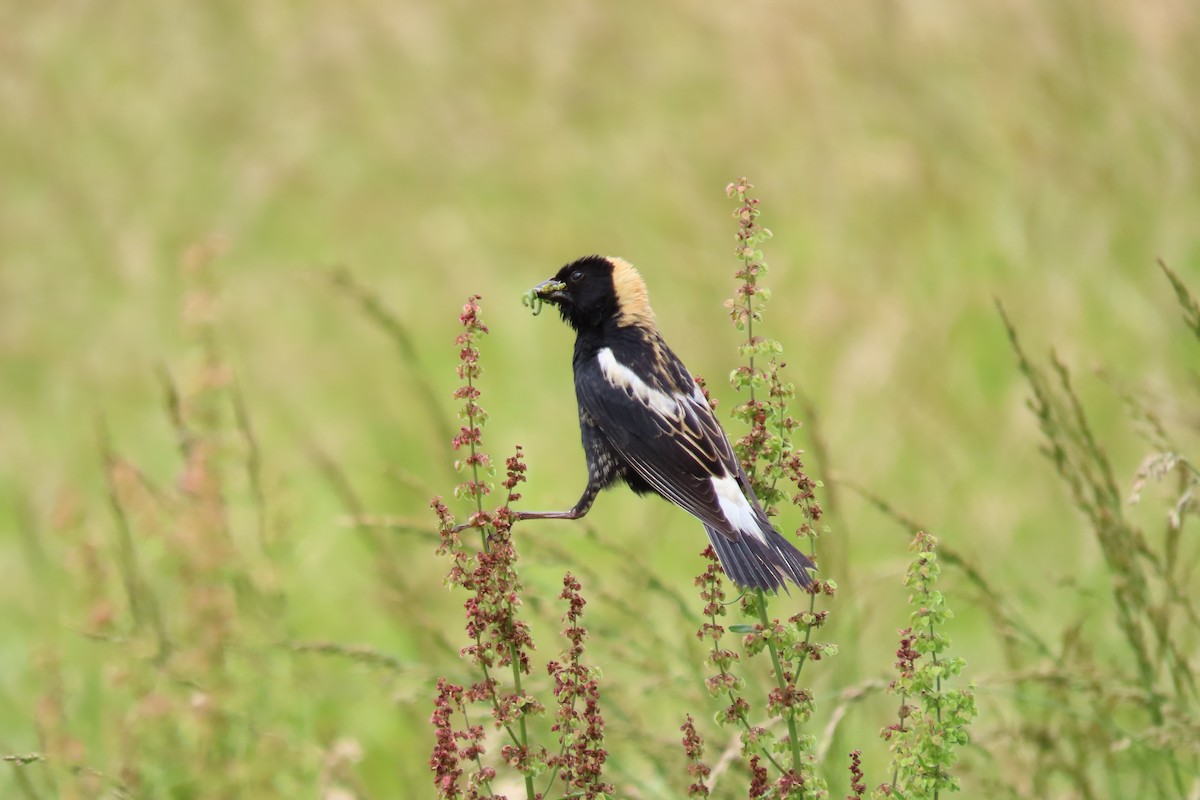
(1121, 718)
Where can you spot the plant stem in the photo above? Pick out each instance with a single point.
(487, 676)
(474, 459)
(516, 671)
(741, 718)
(478, 761)
(896, 768)
(937, 703)
(789, 716)
(808, 629)
(558, 766)
(750, 340)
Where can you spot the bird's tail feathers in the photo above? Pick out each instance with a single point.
(754, 564)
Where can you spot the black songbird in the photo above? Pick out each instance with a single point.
(645, 421)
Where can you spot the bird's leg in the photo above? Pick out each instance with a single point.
(578, 512)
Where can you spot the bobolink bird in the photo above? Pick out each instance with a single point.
(644, 420)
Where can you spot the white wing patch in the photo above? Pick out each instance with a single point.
(694, 433)
(622, 377)
(735, 506)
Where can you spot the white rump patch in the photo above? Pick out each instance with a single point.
(622, 377)
(736, 507)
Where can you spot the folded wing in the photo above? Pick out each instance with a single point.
(664, 429)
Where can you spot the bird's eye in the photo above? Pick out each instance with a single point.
(577, 276)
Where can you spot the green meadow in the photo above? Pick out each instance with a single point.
(235, 241)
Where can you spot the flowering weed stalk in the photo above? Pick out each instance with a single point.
(579, 725)
(772, 463)
(500, 638)
(693, 748)
(931, 728)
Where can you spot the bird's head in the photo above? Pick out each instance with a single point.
(596, 290)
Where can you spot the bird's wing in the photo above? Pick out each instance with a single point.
(666, 431)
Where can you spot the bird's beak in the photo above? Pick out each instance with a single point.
(551, 291)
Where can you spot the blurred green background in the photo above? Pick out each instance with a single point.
(916, 162)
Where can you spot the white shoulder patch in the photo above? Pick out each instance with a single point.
(622, 377)
(735, 506)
